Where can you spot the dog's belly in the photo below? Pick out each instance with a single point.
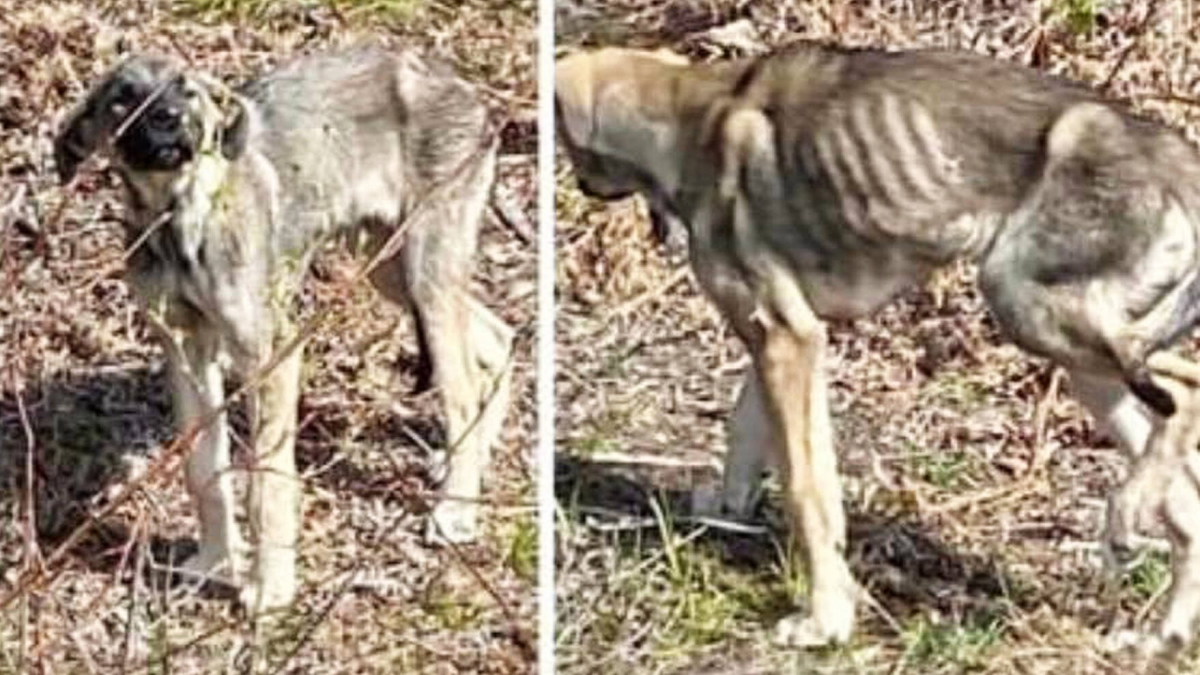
(847, 277)
(859, 285)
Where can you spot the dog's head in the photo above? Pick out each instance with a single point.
(605, 102)
(150, 115)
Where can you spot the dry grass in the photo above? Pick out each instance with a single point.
(83, 407)
(975, 484)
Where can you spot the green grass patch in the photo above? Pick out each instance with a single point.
(703, 593)
(522, 549)
(1079, 16)
(1149, 574)
(454, 615)
(964, 648)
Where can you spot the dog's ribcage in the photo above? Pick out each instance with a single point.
(892, 165)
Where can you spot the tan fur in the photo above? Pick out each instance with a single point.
(886, 179)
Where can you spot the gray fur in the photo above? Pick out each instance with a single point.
(896, 163)
(818, 182)
(251, 183)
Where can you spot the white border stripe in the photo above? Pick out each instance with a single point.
(545, 338)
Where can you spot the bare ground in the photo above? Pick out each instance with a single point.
(84, 411)
(975, 484)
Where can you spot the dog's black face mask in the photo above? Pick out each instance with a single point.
(162, 136)
(144, 108)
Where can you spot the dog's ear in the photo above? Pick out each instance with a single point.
(77, 140)
(574, 84)
(612, 94)
(87, 126)
(236, 133)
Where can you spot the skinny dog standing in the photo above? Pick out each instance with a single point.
(231, 193)
(816, 183)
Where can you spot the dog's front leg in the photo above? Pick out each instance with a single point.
(274, 495)
(790, 360)
(198, 390)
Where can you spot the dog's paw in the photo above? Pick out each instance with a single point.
(259, 598)
(803, 631)
(711, 502)
(1140, 652)
(225, 566)
(452, 521)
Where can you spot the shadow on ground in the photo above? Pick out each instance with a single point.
(902, 562)
(86, 428)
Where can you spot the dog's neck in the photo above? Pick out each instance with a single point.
(182, 200)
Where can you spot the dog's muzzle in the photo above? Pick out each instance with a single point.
(175, 155)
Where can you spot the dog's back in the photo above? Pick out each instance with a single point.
(907, 143)
(364, 134)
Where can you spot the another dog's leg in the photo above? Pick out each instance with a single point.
(1165, 487)
(274, 496)
(1157, 447)
(1118, 411)
(1163, 491)
(1181, 508)
(749, 443)
(790, 359)
(198, 387)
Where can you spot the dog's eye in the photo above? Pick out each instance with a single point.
(126, 92)
(181, 84)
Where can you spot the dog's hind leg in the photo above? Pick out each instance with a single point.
(198, 390)
(1116, 409)
(469, 349)
(274, 495)
(750, 442)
